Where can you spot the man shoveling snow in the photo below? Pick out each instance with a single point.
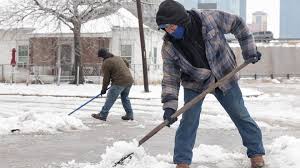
(195, 53)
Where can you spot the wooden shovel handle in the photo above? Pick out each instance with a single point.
(193, 102)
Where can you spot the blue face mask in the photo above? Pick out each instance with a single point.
(178, 33)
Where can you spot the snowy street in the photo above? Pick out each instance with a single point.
(47, 137)
(62, 62)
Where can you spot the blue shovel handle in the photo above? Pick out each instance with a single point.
(85, 104)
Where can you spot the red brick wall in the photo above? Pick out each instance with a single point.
(43, 50)
(90, 47)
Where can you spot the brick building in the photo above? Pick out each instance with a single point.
(49, 51)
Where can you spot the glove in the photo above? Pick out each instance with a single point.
(167, 116)
(103, 92)
(254, 58)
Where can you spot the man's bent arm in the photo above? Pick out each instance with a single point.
(229, 23)
(170, 81)
(106, 76)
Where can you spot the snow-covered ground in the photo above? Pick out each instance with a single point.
(282, 153)
(36, 108)
(41, 110)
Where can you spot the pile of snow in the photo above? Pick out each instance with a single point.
(203, 154)
(275, 81)
(250, 92)
(40, 123)
(116, 152)
(282, 153)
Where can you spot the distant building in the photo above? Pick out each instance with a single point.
(202, 4)
(243, 9)
(237, 7)
(289, 21)
(189, 4)
(259, 21)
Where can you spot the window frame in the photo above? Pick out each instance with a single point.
(128, 53)
(23, 55)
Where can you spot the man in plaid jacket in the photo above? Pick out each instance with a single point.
(196, 54)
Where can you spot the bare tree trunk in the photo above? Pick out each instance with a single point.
(77, 48)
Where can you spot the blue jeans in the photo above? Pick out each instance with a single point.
(232, 101)
(112, 96)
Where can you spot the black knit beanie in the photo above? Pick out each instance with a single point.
(172, 12)
(103, 52)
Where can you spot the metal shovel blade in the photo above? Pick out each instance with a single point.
(121, 161)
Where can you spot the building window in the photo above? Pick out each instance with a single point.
(22, 55)
(207, 5)
(126, 52)
(154, 55)
(258, 20)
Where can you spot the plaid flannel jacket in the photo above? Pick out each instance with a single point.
(221, 59)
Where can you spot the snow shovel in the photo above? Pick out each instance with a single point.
(184, 109)
(87, 102)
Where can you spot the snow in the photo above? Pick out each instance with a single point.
(80, 90)
(282, 153)
(36, 109)
(118, 150)
(40, 123)
(55, 119)
(72, 96)
(275, 81)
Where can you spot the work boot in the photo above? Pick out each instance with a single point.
(99, 117)
(257, 161)
(182, 165)
(127, 117)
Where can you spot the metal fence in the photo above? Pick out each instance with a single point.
(40, 74)
(27, 73)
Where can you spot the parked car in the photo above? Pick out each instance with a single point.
(263, 36)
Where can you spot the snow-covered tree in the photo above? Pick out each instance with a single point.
(73, 13)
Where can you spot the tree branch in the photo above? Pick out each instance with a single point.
(51, 11)
(99, 9)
